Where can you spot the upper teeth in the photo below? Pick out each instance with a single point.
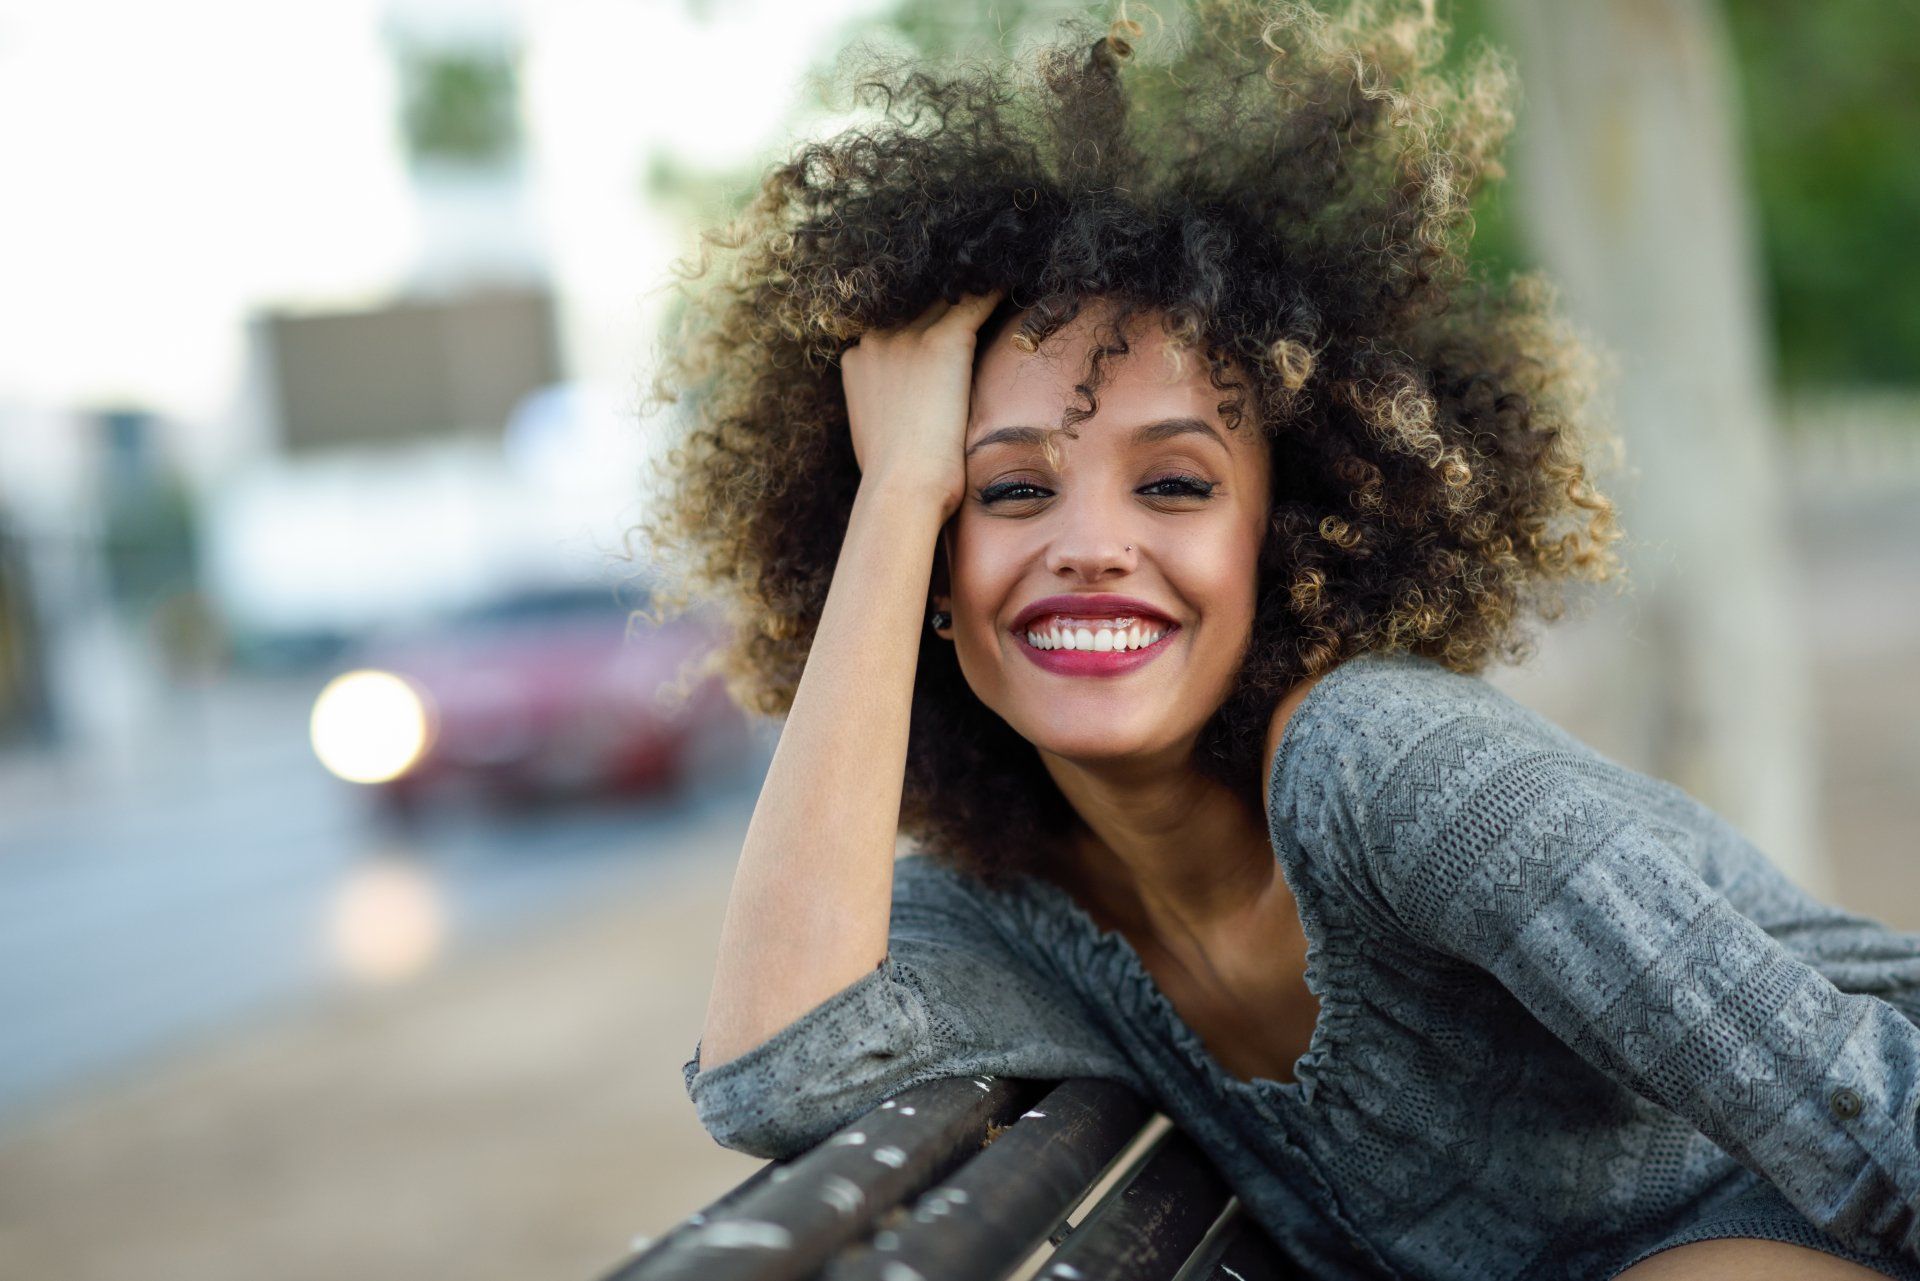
(1098, 634)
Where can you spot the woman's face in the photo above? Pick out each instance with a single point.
(1153, 499)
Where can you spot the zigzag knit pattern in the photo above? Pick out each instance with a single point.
(1568, 1015)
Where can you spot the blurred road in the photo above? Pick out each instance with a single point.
(226, 874)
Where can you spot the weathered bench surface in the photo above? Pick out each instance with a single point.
(979, 1179)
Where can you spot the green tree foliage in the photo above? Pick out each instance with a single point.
(459, 106)
(1829, 111)
(1832, 129)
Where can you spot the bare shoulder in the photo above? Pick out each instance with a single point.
(1283, 713)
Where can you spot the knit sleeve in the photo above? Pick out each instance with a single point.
(1855, 953)
(1519, 853)
(949, 999)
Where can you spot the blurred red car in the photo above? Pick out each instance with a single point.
(550, 693)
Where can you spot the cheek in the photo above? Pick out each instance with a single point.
(1226, 563)
(1227, 604)
(982, 568)
(1224, 587)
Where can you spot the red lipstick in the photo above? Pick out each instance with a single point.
(1092, 606)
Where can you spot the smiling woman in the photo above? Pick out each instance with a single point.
(1119, 482)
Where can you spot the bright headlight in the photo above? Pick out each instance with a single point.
(369, 726)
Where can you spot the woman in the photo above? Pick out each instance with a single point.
(1121, 480)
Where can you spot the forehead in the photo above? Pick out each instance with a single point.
(1154, 380)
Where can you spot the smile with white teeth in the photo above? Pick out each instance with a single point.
(1102, 635)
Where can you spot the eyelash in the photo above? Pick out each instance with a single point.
(1193, 485)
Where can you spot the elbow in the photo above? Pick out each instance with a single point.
(1845, 1149)
(767, 1132)
(745, 1113)
(796, 1088)
(780, 1113)
(1877, 1215)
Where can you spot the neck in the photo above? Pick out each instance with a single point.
(1162, 853)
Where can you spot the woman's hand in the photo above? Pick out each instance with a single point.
(907, 393)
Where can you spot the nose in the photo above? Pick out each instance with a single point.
(1092, 544)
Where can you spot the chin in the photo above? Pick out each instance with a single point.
(1089, 733)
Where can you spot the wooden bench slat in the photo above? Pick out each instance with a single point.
(1149, 1227)
(1000, 1206)
(733, 1195)
(1018, 1158)
(787, 1220)
(1237, 1250)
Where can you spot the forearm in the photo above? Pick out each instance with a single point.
(809, 907)
(1500, 845)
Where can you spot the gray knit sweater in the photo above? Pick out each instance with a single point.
(1569, 1016)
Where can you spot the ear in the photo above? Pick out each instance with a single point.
(940, 591)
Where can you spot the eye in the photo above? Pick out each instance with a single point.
(1183, 487)
(1008, 489)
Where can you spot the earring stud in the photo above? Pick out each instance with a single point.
(940, 618)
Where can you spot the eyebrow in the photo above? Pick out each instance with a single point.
(1147, 434)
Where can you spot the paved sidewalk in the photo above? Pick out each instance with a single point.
(518, 1114)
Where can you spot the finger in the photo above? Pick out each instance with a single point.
(973, 309)
(928, 318)
(970, 310)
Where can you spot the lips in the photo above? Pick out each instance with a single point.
(1090, 605)
(1095, 662)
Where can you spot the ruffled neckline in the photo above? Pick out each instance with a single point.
(1112, 964)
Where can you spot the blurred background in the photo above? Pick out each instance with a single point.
(361, 861)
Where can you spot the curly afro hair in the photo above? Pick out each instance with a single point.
(1287, 191)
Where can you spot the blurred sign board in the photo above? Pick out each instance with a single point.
(413, 370)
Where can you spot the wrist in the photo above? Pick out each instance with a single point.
(934, 496)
